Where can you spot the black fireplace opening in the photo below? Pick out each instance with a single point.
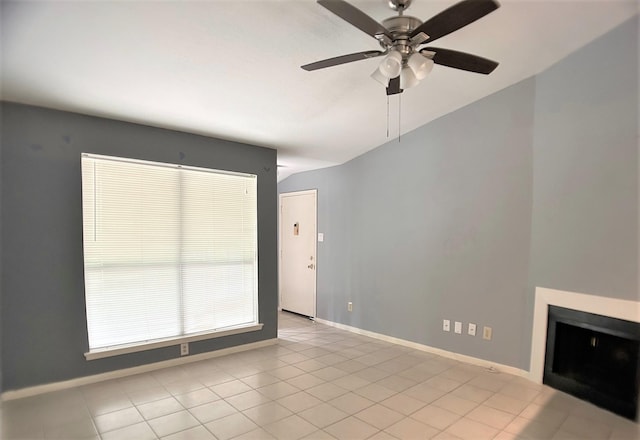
(595, 358)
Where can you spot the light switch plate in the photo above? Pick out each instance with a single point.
(458, 327)
(446, 325)
(472, 329)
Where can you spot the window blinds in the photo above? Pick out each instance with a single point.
(168, 250)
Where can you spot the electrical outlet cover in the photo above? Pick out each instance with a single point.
(472, 329)
(446, 325)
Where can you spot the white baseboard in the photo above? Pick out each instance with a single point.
(444, 353)
(86, 380)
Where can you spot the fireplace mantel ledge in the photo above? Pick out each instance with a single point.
(600, 305)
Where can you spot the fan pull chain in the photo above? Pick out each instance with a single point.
(387, 116)
(399, 114)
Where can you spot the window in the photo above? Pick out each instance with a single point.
(169, 251)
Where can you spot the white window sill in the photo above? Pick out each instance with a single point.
(159, 343)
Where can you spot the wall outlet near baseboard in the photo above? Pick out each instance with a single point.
(349, 306)
(184, 349)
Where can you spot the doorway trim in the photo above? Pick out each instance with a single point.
(280, 235)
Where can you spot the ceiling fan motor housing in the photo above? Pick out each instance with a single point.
(400, 29)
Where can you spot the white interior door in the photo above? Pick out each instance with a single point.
(298, 252)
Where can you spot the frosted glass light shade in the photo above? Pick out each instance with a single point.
(391, 65)
(378, 76)
(407, 78)
(420, 65)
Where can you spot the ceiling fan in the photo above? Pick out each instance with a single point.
(402, 38)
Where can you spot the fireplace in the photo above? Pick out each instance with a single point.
(594, 357)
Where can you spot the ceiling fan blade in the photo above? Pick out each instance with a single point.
(456, 17)
(355, 16)
(461, 60)
(343, 59)
(394, 86)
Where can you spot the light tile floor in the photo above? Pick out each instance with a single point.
(318, 382)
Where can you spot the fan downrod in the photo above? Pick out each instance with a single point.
(399, 5)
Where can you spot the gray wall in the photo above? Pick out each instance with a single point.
(43, 313)
(536, 185)
(586, 173)
(585, 179)
(436, 226)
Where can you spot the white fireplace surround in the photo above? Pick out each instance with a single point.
(600, 305)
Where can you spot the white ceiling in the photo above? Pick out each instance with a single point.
(230, 69)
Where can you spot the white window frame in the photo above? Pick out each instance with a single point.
(115, 350)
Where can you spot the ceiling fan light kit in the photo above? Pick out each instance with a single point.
(420, 64)
(391, 65)
(379, 76)
(402, 37)
(408, 79)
